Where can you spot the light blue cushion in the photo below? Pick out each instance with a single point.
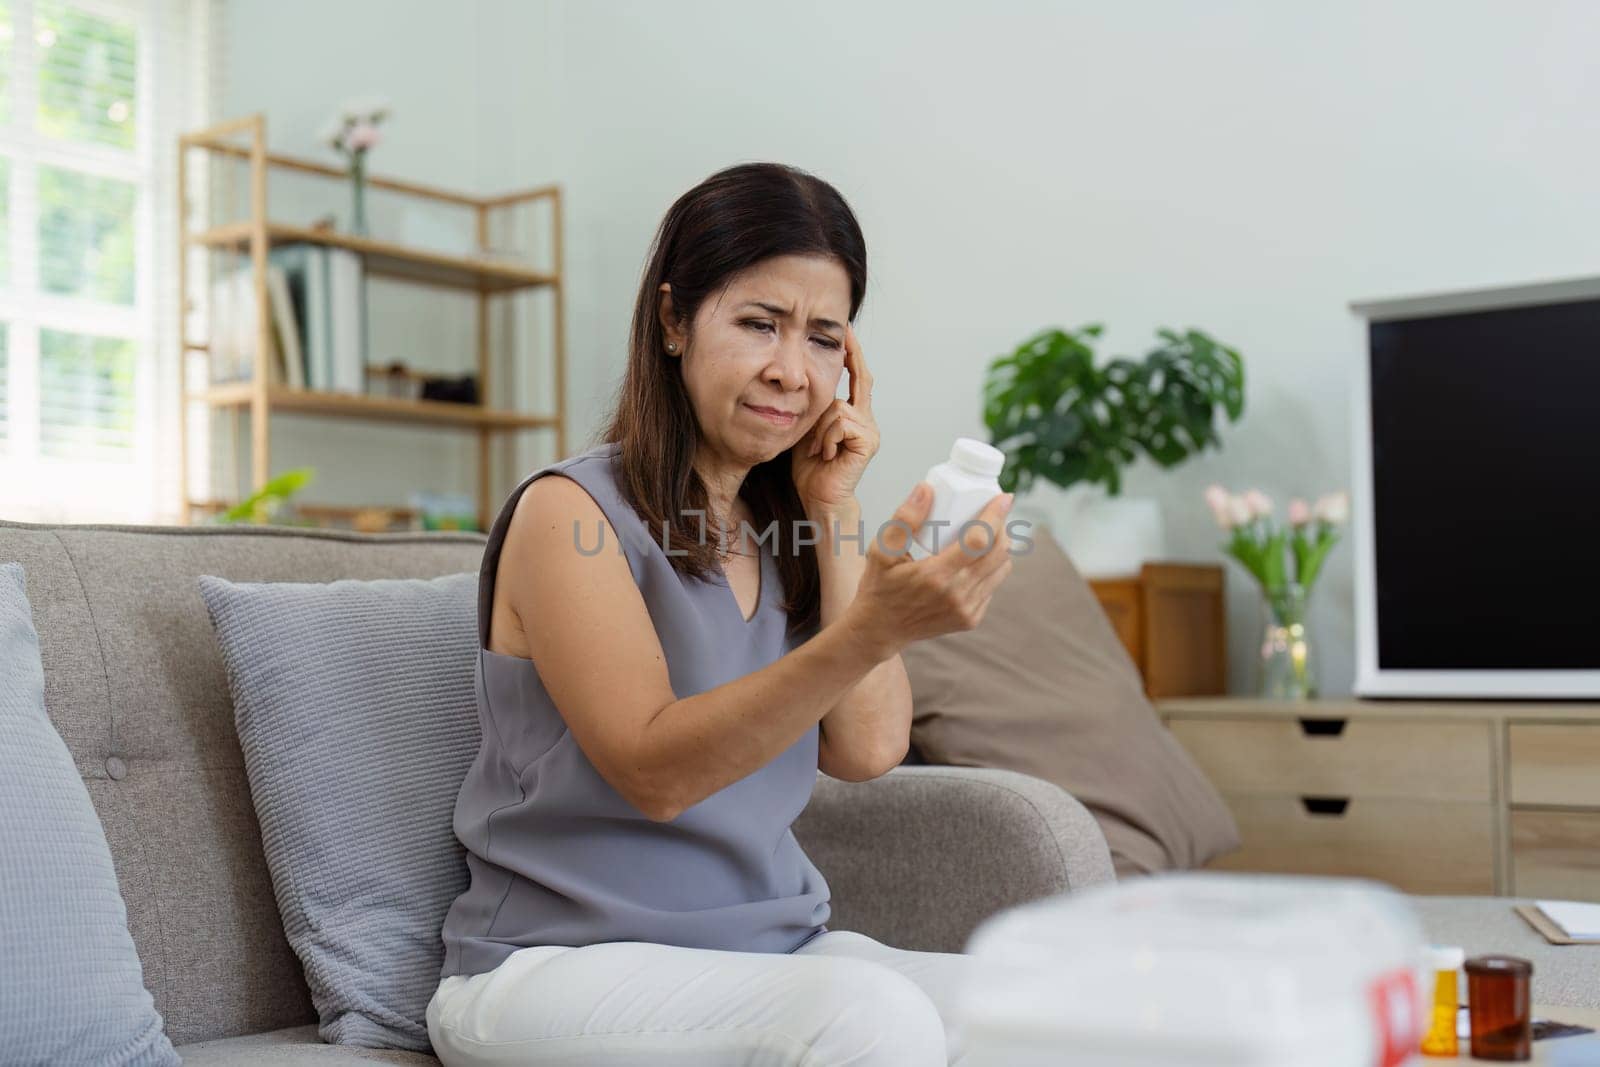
(356, 710)
(71, 986)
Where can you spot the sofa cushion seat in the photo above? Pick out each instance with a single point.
(289, 1047)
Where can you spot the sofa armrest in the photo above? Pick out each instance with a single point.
(918, 857)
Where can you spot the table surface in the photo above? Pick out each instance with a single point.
(1545, 1051)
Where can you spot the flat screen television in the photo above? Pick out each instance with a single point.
(1476, 493)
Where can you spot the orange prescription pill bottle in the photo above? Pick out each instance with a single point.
(1499, 998)
(1443, 961)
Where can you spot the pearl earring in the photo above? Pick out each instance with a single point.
(671, 347)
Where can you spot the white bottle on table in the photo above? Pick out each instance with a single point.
(961, 487)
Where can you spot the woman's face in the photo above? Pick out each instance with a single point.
(773, 339)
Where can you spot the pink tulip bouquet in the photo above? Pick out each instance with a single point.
(353, 132)
(1266, 548)
(1285, 560)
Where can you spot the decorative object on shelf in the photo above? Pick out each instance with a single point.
(443, 511)
(353, 133)
(263, 506)
(1288, 666)
(372, 519)
(366, 518)
(1060, 419)
(398, 380)
(394, 380)
(1286, 563)
(462, 390)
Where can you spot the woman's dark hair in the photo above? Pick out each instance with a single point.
(728, 223)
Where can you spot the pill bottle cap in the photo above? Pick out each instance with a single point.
(1510, 965)
(981, 459)
(1446, 957)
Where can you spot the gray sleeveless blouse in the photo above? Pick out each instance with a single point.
(556, 855)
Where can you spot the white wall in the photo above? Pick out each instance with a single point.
(1244, 167)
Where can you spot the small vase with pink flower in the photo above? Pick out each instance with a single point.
(1285, 561)
(353, 132)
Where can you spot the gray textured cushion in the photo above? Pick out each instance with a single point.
(297, 1046)
(357, 715)
(71, 986)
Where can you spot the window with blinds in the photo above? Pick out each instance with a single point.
(93, 96)
(73, 163)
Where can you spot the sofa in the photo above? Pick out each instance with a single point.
(135, 685)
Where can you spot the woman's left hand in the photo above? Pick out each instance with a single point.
(829, 460)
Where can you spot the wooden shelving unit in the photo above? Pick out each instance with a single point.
(388, 409)
(486, 274)
(386, 259)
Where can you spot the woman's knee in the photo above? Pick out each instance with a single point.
(874, 1017)
(799, 1011)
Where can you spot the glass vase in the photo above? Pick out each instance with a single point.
(358, 191)
(1287, 663)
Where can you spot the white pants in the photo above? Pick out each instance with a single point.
(842, 998)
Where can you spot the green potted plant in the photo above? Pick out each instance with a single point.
(1061, 419)
(260, 507)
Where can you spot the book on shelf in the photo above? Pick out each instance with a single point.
(347, 297)
(318, 304)
(234, 329)
(290, 362)
(333, 322)
(303, 271)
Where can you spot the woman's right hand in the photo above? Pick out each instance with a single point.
(902, 599)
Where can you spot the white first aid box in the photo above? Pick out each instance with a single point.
(1204, 968)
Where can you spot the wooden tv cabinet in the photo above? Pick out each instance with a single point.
(1434, 797)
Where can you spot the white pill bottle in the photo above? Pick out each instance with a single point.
(961, 487)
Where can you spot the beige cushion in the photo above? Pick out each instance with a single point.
(1044, 687)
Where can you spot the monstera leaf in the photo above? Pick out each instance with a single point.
(1058, 417)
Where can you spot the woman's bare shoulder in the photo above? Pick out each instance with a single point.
(551, 500)
(553, 519)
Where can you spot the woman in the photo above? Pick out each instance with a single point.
(677, 634)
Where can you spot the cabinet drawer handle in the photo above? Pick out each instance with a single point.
(1334, 806)
(1322, 727)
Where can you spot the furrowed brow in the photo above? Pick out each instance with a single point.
(781, 312)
